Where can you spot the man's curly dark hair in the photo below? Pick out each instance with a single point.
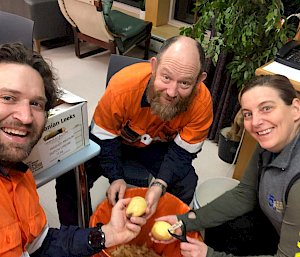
(18, 53)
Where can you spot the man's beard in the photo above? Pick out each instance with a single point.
(167, 111)
(14, 152)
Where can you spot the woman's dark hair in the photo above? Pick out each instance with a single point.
(280, 83)
(167, 43)
(18, 53)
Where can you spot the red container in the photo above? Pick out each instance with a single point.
(168, 205)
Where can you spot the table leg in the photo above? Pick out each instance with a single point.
(82, 196)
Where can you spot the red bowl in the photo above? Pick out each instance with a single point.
(168, 205)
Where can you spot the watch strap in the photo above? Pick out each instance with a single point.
(161, 185)
(96, 238)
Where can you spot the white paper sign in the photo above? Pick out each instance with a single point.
(278, 68)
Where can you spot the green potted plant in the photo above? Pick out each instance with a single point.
(252, 31)
(249, 33)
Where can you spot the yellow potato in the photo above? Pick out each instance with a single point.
(137, 206)
(160, 230)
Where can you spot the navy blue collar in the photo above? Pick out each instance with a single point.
(144, 102)
(20, 166)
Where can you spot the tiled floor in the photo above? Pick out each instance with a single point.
(86, 78)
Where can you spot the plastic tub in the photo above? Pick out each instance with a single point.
(212, 188)
(168, 204)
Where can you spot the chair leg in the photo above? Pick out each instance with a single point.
(76, 42)
(112, 47)
(147, 41)
(147, 47)
(102, 46)
(37, 45)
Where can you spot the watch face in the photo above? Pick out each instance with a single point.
(97, 239)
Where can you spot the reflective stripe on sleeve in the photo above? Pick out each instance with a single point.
(191, 148)
(38, 241)
(101, 133)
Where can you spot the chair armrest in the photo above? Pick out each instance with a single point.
(91, 2)
(96, 3)
(65, 13)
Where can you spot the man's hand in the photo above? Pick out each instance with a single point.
(116, 191)
(152, 197)
(194, 248)
(120, 229)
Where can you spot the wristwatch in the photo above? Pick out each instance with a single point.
(97, 238)
(162, 186)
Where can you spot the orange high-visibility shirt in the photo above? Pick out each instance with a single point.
(21, 216)
(120, 110)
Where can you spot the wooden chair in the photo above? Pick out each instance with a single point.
(93, 21)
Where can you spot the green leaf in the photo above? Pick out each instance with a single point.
(249, 30)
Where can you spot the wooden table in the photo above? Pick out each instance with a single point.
(262, 71)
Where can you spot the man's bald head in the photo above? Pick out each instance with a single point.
(183, 48)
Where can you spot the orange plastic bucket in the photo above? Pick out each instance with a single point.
(168, 205)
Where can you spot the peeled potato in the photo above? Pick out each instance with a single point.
(160, 230)
(137, 207)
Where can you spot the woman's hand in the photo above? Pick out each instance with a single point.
(194, 248)
(171, 219)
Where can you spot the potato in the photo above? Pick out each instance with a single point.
(137, 207)
(160, 230)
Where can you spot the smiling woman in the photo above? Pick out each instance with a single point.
(248, 219)
(271, 111)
